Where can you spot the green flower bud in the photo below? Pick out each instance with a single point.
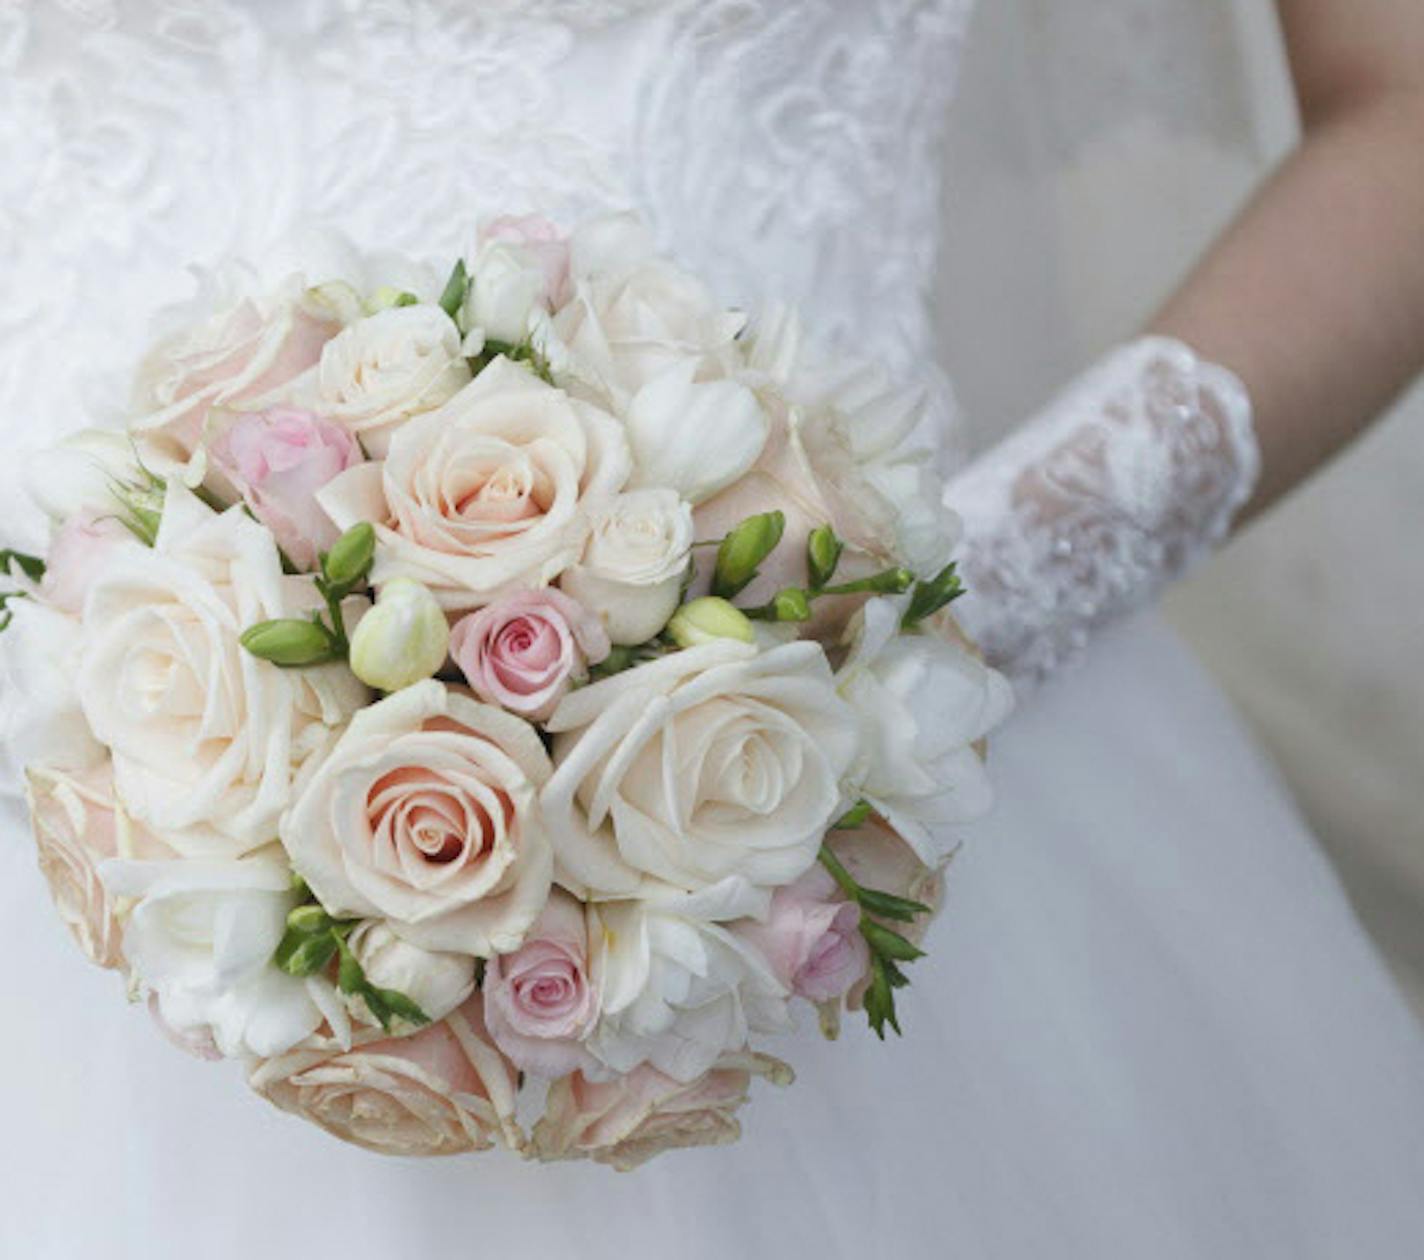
(288, 642)
(349, 560)
(403, 640)
(823, 554)
(743, 550)
(309, 919)
(929, 597)
(886, 582)
(708, 619)
(791, 604)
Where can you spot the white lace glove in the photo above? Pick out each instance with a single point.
(1088, 511)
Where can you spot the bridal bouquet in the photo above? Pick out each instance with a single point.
(488, 713)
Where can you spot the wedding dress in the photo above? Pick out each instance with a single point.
(1149, 1025)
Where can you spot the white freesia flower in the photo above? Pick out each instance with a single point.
(205, 737)
(922, 703)
(634, 316)
(42, 722)
(425, 814)
(632, 567)
(81, 473)
(712, 762)
(491, 493)
(388, 367)
(696, 437)
(435, 982)
(507, 285)
(402, 640)
(201, 939)
(679, 990)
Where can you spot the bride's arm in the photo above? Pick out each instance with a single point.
(1310, 310)
(1315, 297)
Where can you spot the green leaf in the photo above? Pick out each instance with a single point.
(929, 597)
(452, 298)
(888, 944)
(888, 906)
(31, 566)
(880, 999)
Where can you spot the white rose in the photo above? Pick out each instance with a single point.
(490, 494)
(388, 367)
(633, 316)
(201, 940)
(425, 814)
(633, 564)
(435, 982)
(679, 990)
(696, 437)
(507, 285)
(922, 704)
(204, 735)
(712, 762)
(245, 357)
(42, 721)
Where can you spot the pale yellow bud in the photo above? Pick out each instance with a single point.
(402, 640)
(708, 619)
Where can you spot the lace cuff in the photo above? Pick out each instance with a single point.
(1090, 510)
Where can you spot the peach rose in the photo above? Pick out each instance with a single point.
(491, 493)
(627, 1121)
(76, 826)
(539, 1001)
(525, 652)
(238, 359)
(442, 1091)
(425, 814)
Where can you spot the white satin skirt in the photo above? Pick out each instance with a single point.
(1150, 1026)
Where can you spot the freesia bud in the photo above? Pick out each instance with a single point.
(708, 619)
(402, 640)
(288, 642)
(743, 550)
(823, 554)
(791, 605)
(349, 559)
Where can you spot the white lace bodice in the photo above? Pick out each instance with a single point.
(786, 149)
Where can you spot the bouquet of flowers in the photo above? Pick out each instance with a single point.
(456, 703)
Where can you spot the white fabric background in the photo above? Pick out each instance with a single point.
(1083, 209)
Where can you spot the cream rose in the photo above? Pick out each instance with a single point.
(491, 493)
(632, 568)
(443, 1091)
(714, 761)
(627, 1121)
(922, 703)
(388, 367)
(678, 989)
(425, 814)
(77, 826)
(204, 736)
(243, 358)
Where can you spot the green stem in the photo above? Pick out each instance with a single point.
(839, 873)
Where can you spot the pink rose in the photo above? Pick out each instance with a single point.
(812, 938)
(542, 242)
(78, 554)
(76, 827)
(525, 651)
(278, 460)
(239, 357)
(538, 1000)
(443, 1091)
(626, 1121)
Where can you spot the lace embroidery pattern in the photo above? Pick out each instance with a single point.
(1088, 512)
